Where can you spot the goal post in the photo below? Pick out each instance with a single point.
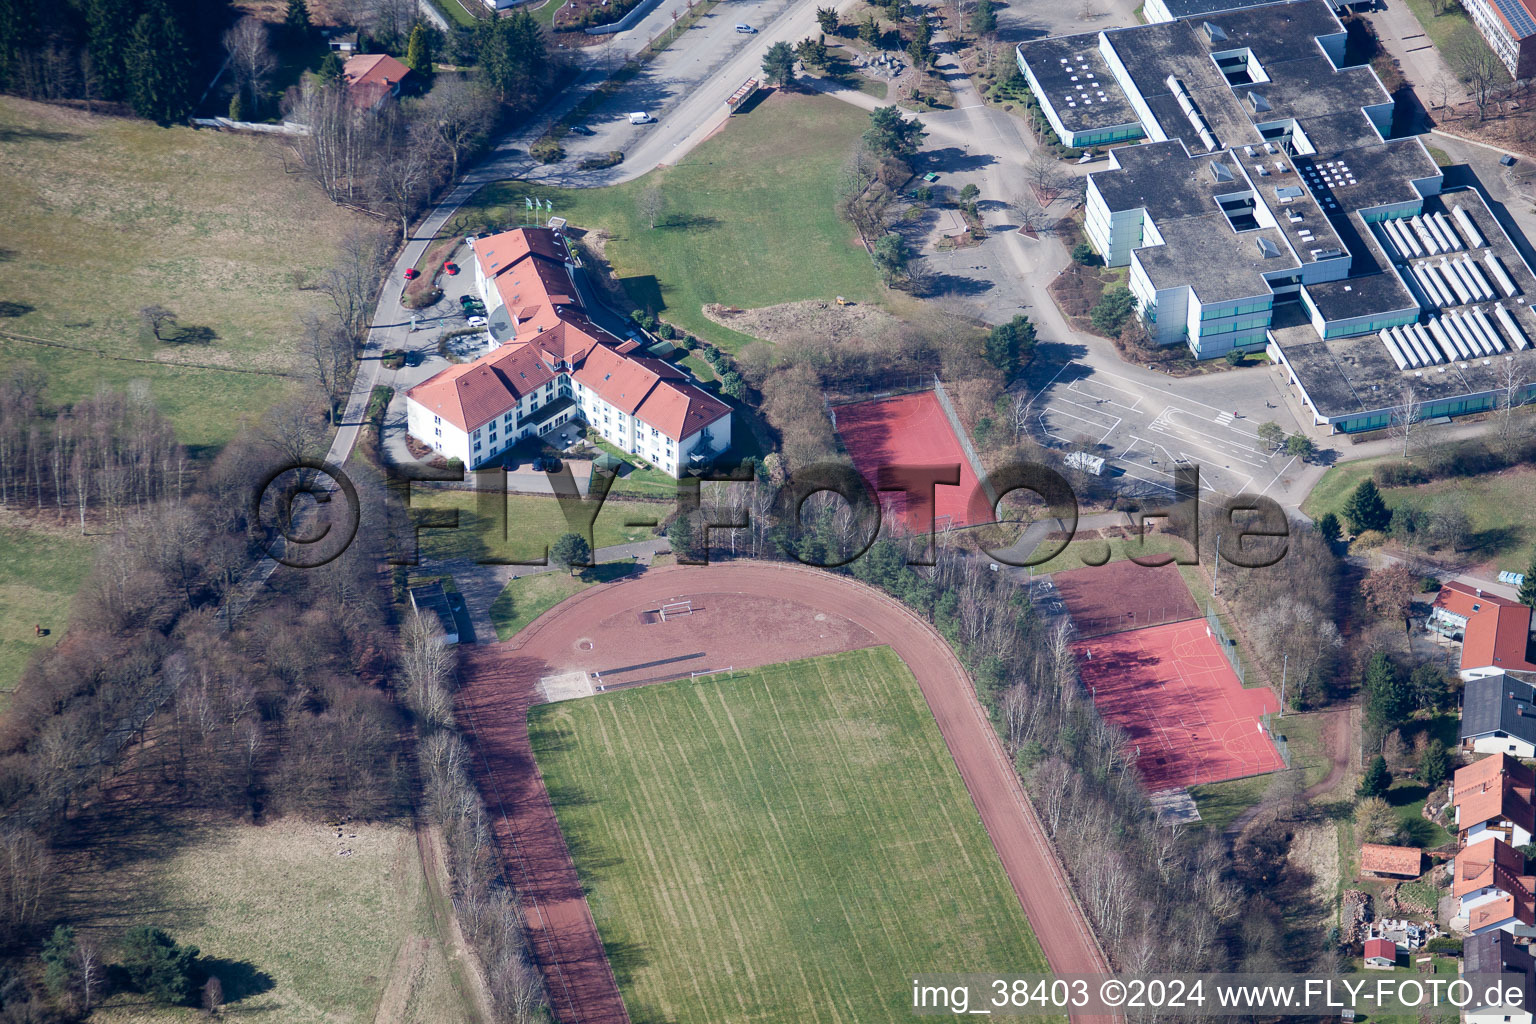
(674, 609)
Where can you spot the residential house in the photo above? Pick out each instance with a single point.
(1497, 962)
(372, 78)
(1378, 861)
(1498, 715)
(1492, 800)
(1494, 632)
(554, 365)
(1493, 891)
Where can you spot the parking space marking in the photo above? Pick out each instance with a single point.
(1077, 386)
(1070, 415)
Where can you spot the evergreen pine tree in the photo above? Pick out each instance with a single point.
(158, 61)
(1328, 527)
(1377, 779)
(1365, 510)
(1388, 698)
(1528, 588)
(330, 69)
(1435, 765)
(297, 19)
(237, 110)
(418, 53)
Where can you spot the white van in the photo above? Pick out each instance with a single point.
(746, 30)
(640, 117)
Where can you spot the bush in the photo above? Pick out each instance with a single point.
(597, 163)
(393, 359)
(1112, 311)
(1368, 539)
(666, 330)
(1399, 474)
(1444, 944)
(546, 151)
(422, 298)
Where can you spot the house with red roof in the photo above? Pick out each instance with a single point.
(372, 78)
(1492, 800)
(1380, 954)
(1492, 890)
(553, 365)
(1494, 632)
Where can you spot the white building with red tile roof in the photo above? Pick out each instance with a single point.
(556, 366)
(373, 77)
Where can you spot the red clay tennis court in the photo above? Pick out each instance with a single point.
(1171, 689)
(910, 430)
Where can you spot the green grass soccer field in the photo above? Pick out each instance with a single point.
(788, 844)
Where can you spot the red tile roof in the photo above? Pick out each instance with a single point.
(498, 252)
(1497, 788)
(372, 76)
(528, 270)
(1497, 632)
(1484, 865)
(473, 394)
(1390, 860)
(1385, 948)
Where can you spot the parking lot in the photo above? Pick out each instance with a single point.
(1144, 430)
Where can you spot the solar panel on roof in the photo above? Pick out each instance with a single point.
(1518, 17)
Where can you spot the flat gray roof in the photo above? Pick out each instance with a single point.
(1076, 81)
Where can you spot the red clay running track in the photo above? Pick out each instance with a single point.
(749, 614)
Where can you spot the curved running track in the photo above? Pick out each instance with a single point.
(751, 613)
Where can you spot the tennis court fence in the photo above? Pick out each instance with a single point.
(1121, 622)
(1277, 738)
(1228, 645)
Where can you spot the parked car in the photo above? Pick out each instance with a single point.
(551, 464)
(746, 30)
(640, 117)
(411, 273)
(450, 268)
(581, 129)
(538, 463)
(476, 321)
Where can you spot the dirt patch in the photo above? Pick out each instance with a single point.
(402, 979)
(815, 316)
(1315, 849)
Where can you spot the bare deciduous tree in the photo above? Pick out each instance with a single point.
(251, 60)
(650, 204)
(1405, 424)
(327, 358)
(1475, 64)
(460, 114)
(157, 320)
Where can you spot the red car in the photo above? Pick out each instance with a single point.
(412, 274)
(451, 268)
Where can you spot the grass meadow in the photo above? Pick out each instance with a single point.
(788, 844)
(533, 522)
(749, 218)
(301, 933)
(1502, 507)
(39, 574)
(104, 216)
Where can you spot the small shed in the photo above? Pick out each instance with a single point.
(1380, 954)
(1378, 861)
